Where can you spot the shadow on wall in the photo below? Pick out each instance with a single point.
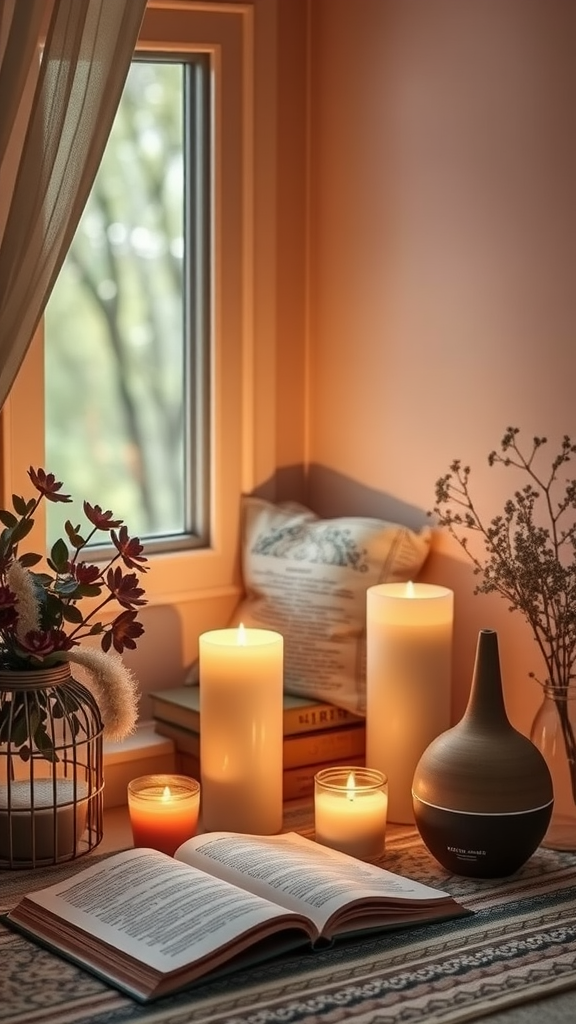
(287, 484)
(330, 494)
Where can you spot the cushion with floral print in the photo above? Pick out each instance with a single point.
(307, 578)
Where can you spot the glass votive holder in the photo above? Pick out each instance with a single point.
(163, 810)
(350, 810)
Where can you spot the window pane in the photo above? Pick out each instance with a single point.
(122, 345)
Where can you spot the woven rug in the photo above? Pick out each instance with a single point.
(519, 945)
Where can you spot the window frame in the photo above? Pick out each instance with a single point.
(225, 33)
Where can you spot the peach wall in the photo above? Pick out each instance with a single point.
(280, 234)
(443, 264)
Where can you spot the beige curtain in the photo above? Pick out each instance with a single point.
(63, 64)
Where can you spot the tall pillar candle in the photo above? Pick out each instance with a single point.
(241, 734)
(408, 681)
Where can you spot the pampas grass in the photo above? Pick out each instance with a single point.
(114, 687)
(21, 584)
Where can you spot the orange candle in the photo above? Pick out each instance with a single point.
(163, 811)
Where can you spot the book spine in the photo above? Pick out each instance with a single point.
(297, 721)
(336, 745)
(332, 745)
(174, 714)
(315, 718)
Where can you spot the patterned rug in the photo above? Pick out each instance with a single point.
(519, 945)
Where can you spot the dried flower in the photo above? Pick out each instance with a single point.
(530, 557)
(44, 615)
(113, 686)
(21, 585)
(530, 547)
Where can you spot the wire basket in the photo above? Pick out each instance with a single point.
(51, 768)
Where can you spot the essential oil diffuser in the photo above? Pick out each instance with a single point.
(482, 792)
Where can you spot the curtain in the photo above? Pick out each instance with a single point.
(63, 64)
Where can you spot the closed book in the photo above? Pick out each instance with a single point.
(297, 783)
(335, 745)
(181, 706)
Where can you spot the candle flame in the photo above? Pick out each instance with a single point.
(241, 635)
(351, 786)
(409, 589)
(166, 794)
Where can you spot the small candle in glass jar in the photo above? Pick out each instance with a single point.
(163, 810)
(350, 810)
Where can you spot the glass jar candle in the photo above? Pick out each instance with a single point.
(350, 810)
(163, 810)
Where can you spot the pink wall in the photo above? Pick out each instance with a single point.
(443, 264)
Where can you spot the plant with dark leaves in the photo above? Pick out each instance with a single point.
(49, 605)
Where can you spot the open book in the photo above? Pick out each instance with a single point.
(150, 924)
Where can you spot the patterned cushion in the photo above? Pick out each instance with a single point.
(307, 578)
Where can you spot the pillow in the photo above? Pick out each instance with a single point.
(307, 578)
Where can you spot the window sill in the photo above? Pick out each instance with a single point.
(143, 753)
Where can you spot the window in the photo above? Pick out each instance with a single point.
(126, 407)
(189, 36)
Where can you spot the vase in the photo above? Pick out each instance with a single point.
(482, 791)
(554, 733)
(51, 768)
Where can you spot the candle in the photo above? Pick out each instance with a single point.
(48, 831)
(408, 666)
(241, 735)
(163, 810)
(350, 809)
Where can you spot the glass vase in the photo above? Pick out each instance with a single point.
(554, 733)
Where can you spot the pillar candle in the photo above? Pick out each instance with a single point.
(241, 733)
(408, 677)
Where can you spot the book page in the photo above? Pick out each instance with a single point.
(153, 908)
(302, 875)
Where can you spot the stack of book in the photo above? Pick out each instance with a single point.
(316, 735)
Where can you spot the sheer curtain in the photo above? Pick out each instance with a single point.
(63, 64)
